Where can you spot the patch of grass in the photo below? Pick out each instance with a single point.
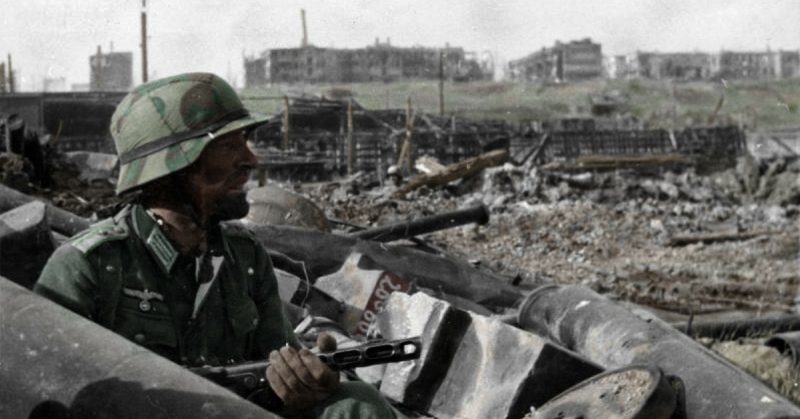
(759, 105)
(764, 363)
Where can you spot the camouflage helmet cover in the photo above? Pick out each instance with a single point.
(163, 126)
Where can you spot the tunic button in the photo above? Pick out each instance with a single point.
(255, 321)
(250, 271)
(139, 337)
(109, 268)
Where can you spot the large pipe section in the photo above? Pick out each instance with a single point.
(787, 343)
(405, 229)
(613, 337)
(56, 364)
(60, 220)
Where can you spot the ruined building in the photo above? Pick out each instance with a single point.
(379, 62)
(111, 71)
(575, 60)
(732, 65)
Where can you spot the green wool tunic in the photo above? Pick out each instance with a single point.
(124, 274)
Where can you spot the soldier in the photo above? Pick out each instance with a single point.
(168, 274)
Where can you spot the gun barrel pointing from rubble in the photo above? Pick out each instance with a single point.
(614, 337)
(405, 229)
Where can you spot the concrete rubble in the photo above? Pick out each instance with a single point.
(652, 243)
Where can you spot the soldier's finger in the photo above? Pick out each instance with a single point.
(323, 375)
(298, 366)
(278, 386)
(287, 375)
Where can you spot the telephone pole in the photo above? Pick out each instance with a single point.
(144, 41)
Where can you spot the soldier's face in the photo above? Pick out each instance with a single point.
(217, 178)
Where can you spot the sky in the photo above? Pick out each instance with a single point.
(54, 38)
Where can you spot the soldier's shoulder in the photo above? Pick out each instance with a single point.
(108, 230)
(237, 230)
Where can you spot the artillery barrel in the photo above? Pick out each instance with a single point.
(608, 334)
(405, 229)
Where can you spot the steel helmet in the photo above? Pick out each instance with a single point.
(162, 126)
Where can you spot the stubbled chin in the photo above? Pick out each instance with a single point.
(232, 207)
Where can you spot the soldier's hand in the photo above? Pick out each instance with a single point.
(299, 377)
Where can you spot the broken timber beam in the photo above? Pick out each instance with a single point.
(454, 171)
(613, 162)
(686, 239)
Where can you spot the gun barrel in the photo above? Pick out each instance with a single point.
(405, 229)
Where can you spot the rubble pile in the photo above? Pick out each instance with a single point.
(80, 182)
(612, 231)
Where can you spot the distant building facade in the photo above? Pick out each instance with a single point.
(381, 62)
(575, 60)
(731, 65)
(111, 72)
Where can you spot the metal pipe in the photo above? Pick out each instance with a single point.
(325, 253)
(787, 342)
(57, 364)
(734, 329)
(405, 229)
(613, 337)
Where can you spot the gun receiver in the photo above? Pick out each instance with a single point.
(249, 378)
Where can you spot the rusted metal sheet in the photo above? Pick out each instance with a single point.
(58, 365)
(612, 336)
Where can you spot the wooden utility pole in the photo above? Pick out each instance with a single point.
(351, 144)
(2, 78)
(441, 83)
(11, 81)
(285, 145)
(404, 158)
(98, 70)
(144, 41)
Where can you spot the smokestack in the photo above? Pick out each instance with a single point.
(304, 42)
(144, 41)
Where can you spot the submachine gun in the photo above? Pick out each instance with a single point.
(249, 379)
